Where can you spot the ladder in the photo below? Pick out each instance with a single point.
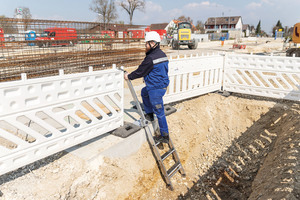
(167, 174)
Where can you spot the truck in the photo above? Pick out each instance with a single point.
(296, 39)
(2, 38)
(182, 36)
(57, 37)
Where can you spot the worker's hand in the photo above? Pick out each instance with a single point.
(126, 76)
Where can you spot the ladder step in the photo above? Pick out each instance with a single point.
(156, 143)
(174, 169)
(167, 154)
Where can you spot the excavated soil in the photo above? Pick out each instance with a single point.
(234, 147)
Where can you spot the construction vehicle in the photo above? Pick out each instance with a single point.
(182, 36)
(1, 37)
(57, 37)
(296, 39)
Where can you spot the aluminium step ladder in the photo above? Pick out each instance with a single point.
(167, 174)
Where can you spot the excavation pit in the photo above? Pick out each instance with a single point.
(236, 147)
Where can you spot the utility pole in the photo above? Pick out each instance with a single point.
(215, 24)
(229, 21)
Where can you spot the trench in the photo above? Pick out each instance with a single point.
(250, 149)
(236, 147)
(259, 164)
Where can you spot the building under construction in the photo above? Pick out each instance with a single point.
(42, 47)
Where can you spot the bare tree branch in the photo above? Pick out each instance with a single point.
(185, 19)
(26, 15)
(131, 5)
(105, 9)
(25, 12)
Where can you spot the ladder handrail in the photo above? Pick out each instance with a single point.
(150, 139)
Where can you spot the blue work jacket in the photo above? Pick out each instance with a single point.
(154, 69)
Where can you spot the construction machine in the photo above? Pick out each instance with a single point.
(296, 39)
(182, 36)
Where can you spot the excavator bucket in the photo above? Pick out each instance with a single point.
(296, 33)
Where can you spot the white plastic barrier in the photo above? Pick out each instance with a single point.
(268, 76)
(194, 76)
(39, 117)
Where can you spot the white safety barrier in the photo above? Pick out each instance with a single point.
(194, 76)
(268, 76)
(39, 117)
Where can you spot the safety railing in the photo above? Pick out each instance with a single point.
(39, 117)
(268, 76)
(194, 76)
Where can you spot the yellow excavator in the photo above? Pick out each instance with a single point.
(182, 36)
(296, 39)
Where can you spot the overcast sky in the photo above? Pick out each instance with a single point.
(160, 11)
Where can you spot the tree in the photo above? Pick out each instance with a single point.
(25, 12)
(279, 24)
(258, 28)
(277, 27)
(185, 19)
(105, 9)
(25, 15)
(131, 5)
(200, 26)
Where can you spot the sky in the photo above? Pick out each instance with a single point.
(163, 11)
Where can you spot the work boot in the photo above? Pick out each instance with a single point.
(157, 138)
(165, 139)
(161, 139)
(149, 117)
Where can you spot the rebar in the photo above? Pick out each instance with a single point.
(42, 47)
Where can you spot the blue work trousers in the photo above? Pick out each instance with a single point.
(153, 103)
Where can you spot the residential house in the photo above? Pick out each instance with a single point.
(246, 30)
(230, 27)
(223, 24)
(161, 28)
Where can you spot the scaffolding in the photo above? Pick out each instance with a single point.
(42, 47)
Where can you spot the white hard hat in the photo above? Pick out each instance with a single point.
(152, 36)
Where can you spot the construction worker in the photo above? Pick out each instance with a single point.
(154, 69)
(222, 38)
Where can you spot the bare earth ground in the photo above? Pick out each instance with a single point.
(236, 147)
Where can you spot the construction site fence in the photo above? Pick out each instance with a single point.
(267, 76)
(41, 116)
(40, 48)
(193, 76)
